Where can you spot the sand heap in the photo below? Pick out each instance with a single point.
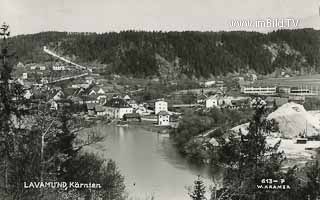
(293, 119)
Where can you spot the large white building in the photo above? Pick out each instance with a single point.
(259, 90)
(159, 106)
(117, 107)
(58, 68)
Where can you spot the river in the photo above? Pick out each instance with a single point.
(149, 162)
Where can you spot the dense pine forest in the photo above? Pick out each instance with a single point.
(199, 54)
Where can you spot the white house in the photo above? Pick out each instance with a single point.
(212, 101)
(102, 99)
(163, 118)
(208, 83)
(27, 94)
(42, 68)
(53, 105)
(20, 65)
(117, 107)
(33, 67)
(127, 98)
(96, 91)
(141, 110)
(101, 91)
(99, 94)
(254, 77)
(58, 96)
(133, 104)
(159, 106)
(58, 68)
(24, 75)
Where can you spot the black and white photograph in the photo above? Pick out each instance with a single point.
(159, 99)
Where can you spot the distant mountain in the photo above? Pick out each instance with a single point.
(168, 54)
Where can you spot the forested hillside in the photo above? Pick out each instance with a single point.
(199, 54)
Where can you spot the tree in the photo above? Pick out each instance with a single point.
(112, 182)
(313, 183)
(10, 103)
(87, 167)
(250, 159)
(199, 190)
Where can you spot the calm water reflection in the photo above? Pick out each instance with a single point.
(149, 162)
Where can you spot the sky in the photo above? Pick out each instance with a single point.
(32, 16)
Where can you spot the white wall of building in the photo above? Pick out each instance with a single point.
(117, 113)
(160, 106)
(25, 76)
(123, 111)
(164, 120)
(58, 68)
(259, 90)
(211, 102)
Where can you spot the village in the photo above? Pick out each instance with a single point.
(100, 98)
(121, 102)
(197, 116)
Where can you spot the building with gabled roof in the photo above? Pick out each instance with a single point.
(117, 107)
(126, 97)
(201, 98)
(58, 95)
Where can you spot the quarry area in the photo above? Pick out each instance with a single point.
(295, 123)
